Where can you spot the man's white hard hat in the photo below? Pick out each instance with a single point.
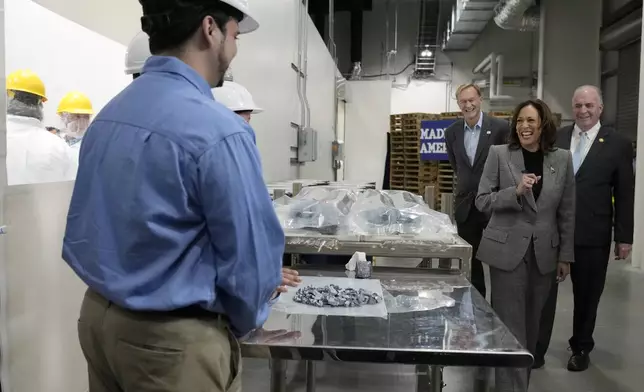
(138, 51)
(248, 24)
(236, 98)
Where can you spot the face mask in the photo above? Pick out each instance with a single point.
(76, 127)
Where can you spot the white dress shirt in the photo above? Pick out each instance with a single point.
(576, 137)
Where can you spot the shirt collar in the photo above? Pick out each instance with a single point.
(591, 133)
(168, 64)
(478, 125)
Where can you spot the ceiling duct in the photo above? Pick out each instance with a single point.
(622, 33)
(466, 22)
(520, 15)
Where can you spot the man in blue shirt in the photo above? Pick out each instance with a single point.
(170, 224)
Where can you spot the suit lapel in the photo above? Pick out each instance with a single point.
(460, 139)
(595, 150)
(549, 177)
(484, 139)
(517, 166)
(565, 138)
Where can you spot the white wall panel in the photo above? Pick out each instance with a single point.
(367, 124)
(65, 55)
(420, 97)
(116, 19)
(263, 66)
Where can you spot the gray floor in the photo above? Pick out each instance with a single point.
(617, 362)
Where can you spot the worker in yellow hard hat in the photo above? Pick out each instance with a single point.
(75, 111)
(33, 154)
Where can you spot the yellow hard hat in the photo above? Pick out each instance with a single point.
(27, 81)
(76, 103)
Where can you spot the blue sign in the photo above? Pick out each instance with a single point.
(432, 140)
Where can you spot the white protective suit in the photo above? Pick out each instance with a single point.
(35, 155)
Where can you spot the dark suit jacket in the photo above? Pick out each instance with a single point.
(606, 171)
(493, 132)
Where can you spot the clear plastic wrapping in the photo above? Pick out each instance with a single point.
(320, 209)
(425, 300)
(331, 210)
(368, 212)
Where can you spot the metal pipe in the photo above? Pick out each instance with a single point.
(493, 75)
(305, 21)
(278, 375)
(626, 31)
(436, 378)
(310, 376)
(517, 15)
(387, 54)
(396, 29)
(542, 51)
(300, 20)
(499, 74)
(486, 61)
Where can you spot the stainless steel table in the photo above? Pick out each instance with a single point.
(467, 334)
(302, 242)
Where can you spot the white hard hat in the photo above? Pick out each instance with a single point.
(235, 97)
(248, 24)
(138, 51)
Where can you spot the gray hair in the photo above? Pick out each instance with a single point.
(596, 89)
(25, 105)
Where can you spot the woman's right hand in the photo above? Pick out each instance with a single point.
(527, 182)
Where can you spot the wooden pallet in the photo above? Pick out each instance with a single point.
(450, 115)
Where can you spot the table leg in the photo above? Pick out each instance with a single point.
(436, 378)
(278, 375)
(310, 376)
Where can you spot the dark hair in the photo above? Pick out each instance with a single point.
(170, 23)
(548, 127)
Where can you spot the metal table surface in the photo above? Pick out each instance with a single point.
(467, 334)
(303, 242)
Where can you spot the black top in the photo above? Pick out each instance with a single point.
(534, 165)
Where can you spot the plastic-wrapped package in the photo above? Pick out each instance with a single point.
(339, 211)
(391, 213)
(318, 209)
(426, 300)
(373, 213)
(417, 218)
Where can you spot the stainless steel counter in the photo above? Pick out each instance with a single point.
(467, 334)
(395, 246)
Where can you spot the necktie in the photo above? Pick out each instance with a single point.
(578, 156)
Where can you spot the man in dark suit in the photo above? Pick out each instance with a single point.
(603, 163)
(468, 142)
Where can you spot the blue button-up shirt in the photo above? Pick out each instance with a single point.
(169, 207)
(471, 138)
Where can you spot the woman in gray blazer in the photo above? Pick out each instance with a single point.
(528, 190)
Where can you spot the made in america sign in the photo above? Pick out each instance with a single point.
(432, 140)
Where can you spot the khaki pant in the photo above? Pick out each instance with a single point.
(186, 350)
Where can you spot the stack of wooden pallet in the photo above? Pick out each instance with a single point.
(408, 171)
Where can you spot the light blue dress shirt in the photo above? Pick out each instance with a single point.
(471, 138)
(169, 208)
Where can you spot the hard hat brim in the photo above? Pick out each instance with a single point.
(248, 24)
(76, 111)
